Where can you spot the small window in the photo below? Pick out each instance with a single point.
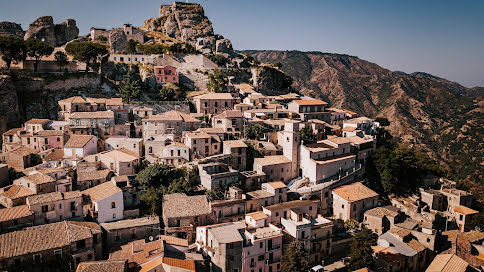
(113, 205)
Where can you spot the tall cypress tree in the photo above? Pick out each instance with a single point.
(294, 258)
(361, 254)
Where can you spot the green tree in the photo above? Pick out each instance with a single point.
(256, 62)
(278, 65)
(254, 132)
(37, 49)
(61, 59)
(361, 253)
(86, 52)
(131, 46)
(384, 122)
(294, 258)
(217, 82)
(477, 221)
(153, 199)
(171, 92)
(307, 135)
(351, 224)
(131, 86)
(102, 38)
(218, 59)
(12, 49)
(159, 175)
(152, 49)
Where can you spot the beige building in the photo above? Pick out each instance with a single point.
(55, 207)
(79, 146)
(14, 195)
(38, 183)
(132, 144)
(271, 193)
(104, 202)
(216, 176)
(463, 217)
(237, 150)
(283, 210)
(172, 153)
(87, 179)
(125, 231)
(15, 218)
(214, 103)
(120, 161)
(382, 219)
(231, 121)
(202, 144)
(352, 200)
(172, 122)
(310, 109)
(276, 168)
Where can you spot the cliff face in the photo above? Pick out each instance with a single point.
(11, 29)
(439, 116)
(54, 34)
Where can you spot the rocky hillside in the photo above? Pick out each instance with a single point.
(442, 117)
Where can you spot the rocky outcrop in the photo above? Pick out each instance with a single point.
(271, 81)
(224, 47)
(11, 29)
(117, 40)
(56, 35)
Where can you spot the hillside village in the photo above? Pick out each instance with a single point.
(226, 168)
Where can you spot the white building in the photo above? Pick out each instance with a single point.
(79, 146)
(105, 202)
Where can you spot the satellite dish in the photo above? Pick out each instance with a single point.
(151, 238)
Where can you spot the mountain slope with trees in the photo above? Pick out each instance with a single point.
(440, 117)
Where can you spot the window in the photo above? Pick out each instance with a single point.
(58, 254)
(261, 245)
(113, 205)
(37, 258)
(81, 244)
(114, 215)
(260, 258)
(60, 206)
(89, 256)
(45, 209)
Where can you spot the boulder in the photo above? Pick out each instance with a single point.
(118, 40)
(224, 46)
(55, 35)
(205, 45)
(11, 29)
(42, 29)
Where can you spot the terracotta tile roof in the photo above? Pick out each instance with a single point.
(142, 109)
(16, 212)
(416, 245)
(173, 116)
(215, 96)
(229, 114)
(93, 175)
(122, 155)
(39, 178)
(257, 215)
(176, 144)
(17, 191)
(52, 197)
(310, 102)
(447, 263)
(382, 211)
(234, 143)
(24, 151)
(13, 131)
(277, 184)
(171, 240)
(464, 210)
(45, 237)
(211, 130)
(46, 133)
(102, 266)
(181, 205)
(74, 99)
(37, 121)
(272, 160)
(184, 264)
(102, 191)
(131, 223)
(78, 141)
(354, 192)
(92, 115)
(56, 155)
(289, 205)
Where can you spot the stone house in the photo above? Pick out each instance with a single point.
(463, 217)
(433, 198)
(21, 158)
(14, 195)
(449, 262)
(79, 146)
(99, 123)
(38, 183)
(166, 74)
(203, 144)
(214, 103)
(456, 197)
(352, 200)
(310, 109)
(171, 122)
(252, 180)
(262, 248)
(11, 139)
(283, 210)
(174, 153)
(132, 144)
(363, 124)
(230, 210)
(276, 168)
(382, 219)
(15, 218)
(111, 266)
(4, 178)
(120, 161)
(182, 214)
(125, 231)
(215, 176)
(231, 121)
(142, 112)
(104, 202)
(55, 207)
(237, 150)
(88, 179)
(271, 193)
(27, 249)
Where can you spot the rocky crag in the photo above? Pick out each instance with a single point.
(187, 22)
(439, 116)
(54, 34)
(11, 29)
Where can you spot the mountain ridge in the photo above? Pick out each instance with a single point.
(439, 116)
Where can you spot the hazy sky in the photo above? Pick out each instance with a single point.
(444, 38)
